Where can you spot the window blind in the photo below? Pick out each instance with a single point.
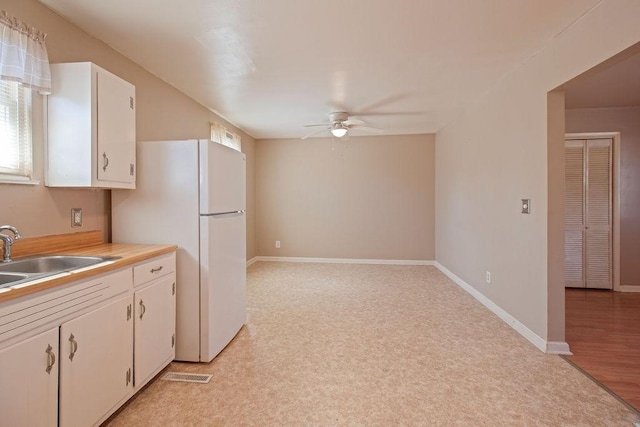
(221, 135)
(15, 130)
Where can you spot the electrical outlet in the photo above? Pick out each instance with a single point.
(76, 217)
(277, 244)
(487, 276)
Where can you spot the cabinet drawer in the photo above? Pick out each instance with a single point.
(150, 270)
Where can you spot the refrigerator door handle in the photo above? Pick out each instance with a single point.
(225, 214)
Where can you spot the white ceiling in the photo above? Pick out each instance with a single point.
(270, 67)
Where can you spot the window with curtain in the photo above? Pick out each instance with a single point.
(221, 135)
(15, 130)
(24, 65)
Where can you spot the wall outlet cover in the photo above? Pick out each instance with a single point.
(76, 217)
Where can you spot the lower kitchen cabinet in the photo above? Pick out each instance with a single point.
(96, 363)
(155, 314)
(104, 338)
(29, 382)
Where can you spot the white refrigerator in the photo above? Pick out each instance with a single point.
(192, 194)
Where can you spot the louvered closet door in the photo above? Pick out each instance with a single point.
(598, 214)
(574, 226)
(588, 180)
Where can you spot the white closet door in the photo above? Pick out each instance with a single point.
(598, 214)
(588, 195)
(574, 214)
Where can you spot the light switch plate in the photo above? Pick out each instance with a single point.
(76, 217)
(526, 206)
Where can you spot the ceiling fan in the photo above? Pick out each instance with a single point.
(340, 123)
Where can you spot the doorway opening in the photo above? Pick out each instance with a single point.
(601, 327)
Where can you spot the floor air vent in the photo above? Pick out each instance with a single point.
(187, 378)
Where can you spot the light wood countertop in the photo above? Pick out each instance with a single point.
(129, 254)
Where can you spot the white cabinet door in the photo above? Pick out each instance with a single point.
(91, 128)
(95, 363)
(155, 309)
(29, 382)
(116, 129)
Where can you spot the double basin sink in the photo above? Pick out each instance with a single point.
(36, 267)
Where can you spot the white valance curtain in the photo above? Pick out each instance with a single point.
(23, 54)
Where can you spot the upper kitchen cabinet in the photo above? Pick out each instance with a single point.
(91, 128)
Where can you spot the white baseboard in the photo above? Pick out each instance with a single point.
(342, 260)
(535, 339)
(252, 261)
(629, 288)
(558, 347)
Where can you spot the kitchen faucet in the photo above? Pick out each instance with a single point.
(8, 240)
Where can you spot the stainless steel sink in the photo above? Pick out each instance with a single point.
(39, 266)
(9, 278)
(50, 263)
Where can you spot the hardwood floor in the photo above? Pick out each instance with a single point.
(603, 331)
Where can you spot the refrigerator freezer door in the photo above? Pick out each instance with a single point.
(223, 280)
(222, 178)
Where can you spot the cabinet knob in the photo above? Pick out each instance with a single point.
(51, 358)
(105, 162)
(143, 309)
(74, 346)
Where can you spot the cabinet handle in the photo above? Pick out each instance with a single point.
(155, 270)
(51, 358)
(74, 346)
(143, 309)
(105, 162)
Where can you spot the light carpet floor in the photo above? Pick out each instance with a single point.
(338, 344)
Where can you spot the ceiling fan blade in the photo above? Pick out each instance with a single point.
(318, 124)
(353, 121)
(316, 132)
(368, 129)
(384, 102)
(389, 113)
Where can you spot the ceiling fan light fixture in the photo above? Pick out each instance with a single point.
(339, 131)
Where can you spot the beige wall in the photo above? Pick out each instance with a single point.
(555, 216)
(369, 197)
(162, 113)
(627, 122)
(496, 153)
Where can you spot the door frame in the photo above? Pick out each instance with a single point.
(615, 202)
